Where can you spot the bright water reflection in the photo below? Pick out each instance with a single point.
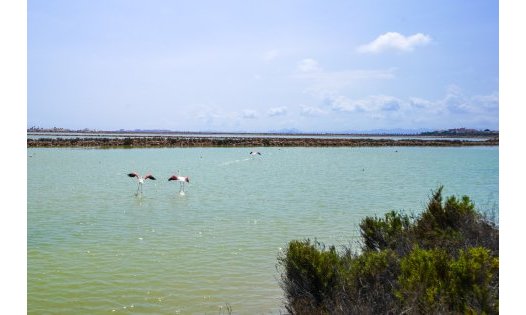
(93, 247)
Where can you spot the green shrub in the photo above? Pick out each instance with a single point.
(473, 281)
(422, 279)
(432, 281)
(368, 281)
(310, 273)
(443, 261)
(379, 234)
(449, 215)
(454, 225)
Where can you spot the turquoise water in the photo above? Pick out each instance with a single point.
(96, 248)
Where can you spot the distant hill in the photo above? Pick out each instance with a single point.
(396, 131)
(461, 132)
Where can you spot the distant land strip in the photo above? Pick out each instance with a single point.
(159, 141)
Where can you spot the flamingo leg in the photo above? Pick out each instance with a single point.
(181, 188)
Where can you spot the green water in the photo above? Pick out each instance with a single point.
(96, 248)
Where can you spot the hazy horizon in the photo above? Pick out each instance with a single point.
(280, 131)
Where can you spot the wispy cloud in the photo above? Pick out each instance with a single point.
(311, 111)
(216, 117)
(348, 75)
(249, 114)
(309, 65)
(322, 81)
(395, 42)
(487, 102)
(277, 111)
(375, 103)
(455, 107)
(456, 101)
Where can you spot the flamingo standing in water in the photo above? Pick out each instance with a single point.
(181, 180)
(140, 180)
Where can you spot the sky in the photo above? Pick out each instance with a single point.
(126, 64)
(259, 66)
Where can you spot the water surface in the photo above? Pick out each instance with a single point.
(96, 248)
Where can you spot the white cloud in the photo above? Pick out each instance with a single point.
(454, 109)
(277, 111)
(250, 114)
(309, 65)
(311, 111)
(375, 103)
(488, 102)
(395, 41)
(344, 104)
(420, 103)
(456, 101)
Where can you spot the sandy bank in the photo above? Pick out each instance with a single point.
(141, 142)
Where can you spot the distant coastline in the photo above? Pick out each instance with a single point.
(456, 132)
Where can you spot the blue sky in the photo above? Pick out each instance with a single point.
(315, 66)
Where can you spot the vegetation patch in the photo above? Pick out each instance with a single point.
(443, 261)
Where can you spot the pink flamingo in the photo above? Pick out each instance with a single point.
(140, 180)
(181, 180)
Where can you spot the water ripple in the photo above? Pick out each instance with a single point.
(94, 247)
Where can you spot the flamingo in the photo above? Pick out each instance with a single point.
(255, 153)
(140, 180)
(181, 180)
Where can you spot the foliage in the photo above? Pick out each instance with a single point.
(369, 280)
(311, 273)
(422, 279)
(443, 261)
(380, 234)
(454, 225)
(474, 281)
(128, 141)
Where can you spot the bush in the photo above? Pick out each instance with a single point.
(454, 225)
(311, 273)
(444, 261)
(369, 281)
(474, 281)
(380, 234)
(422, 280)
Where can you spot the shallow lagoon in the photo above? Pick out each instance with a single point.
(94, 247)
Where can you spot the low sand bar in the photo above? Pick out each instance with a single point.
(185, 141)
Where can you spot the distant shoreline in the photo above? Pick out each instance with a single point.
(233, 141)
(457, 133)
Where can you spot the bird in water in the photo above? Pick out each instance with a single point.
(254, 153)
(182, 180)
(140, 180)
